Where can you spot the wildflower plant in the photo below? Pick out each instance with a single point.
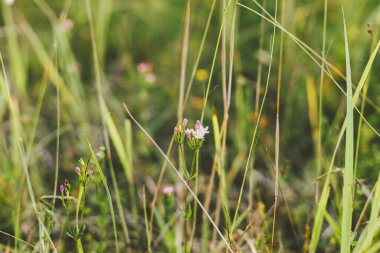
(84, 174)
(65, 195)
(195, 137)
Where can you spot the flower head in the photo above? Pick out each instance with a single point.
(144, 67)
(65, 195)
(188, 132)
(67, 25)
(184, 122)
(168, 190)
(199, 131)
(196, 136)
(201, 74)
(150, 78)
(84, 173)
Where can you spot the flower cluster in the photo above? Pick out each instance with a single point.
(179, 132)
(146, 70)
(83, 172)
(195, 136)
(65, 195)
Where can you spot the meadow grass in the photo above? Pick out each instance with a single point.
(288, 166)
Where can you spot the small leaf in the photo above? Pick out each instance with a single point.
(186, 174)
(70, 235)
(187, 213)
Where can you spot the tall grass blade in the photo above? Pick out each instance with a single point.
(348, 179)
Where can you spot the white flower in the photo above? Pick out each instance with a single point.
(168, 190)
(199, 131)
(150, 78)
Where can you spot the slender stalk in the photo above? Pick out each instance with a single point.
(195, 203)
(146, 222)
(320, 111)
(185, 47)
(80, 196)
(349, 156)
(58, 138)
(78, 243)
(277, 138)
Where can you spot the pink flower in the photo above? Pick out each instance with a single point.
(144, 67)
(91, 170)
(150, 78)
(199, 131)
(176, 130)
(66, 182)
(67, 25)
(197, 125)
(61, 188)
(77, 170)
(184, 122)
(188, 132)
(168, 190)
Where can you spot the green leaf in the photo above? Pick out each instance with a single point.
(188, 212)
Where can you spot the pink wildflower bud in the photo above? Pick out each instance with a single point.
(91, 170)
(168, 190)
(61, 188)
(66, 182)
(184, 122)
(77, 170)
(188, 133)
(197, 125)
(176, 130)
(144, 67)
(68, 24)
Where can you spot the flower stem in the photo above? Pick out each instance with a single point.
(193, 162)
(78, 240)
(195, 203)
(79, 245)
(80, 195)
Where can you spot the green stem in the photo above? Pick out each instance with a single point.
(195, 203)
(79, 245)
(183, 157)
(80, 195)
(78, 240)
(193, 162)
